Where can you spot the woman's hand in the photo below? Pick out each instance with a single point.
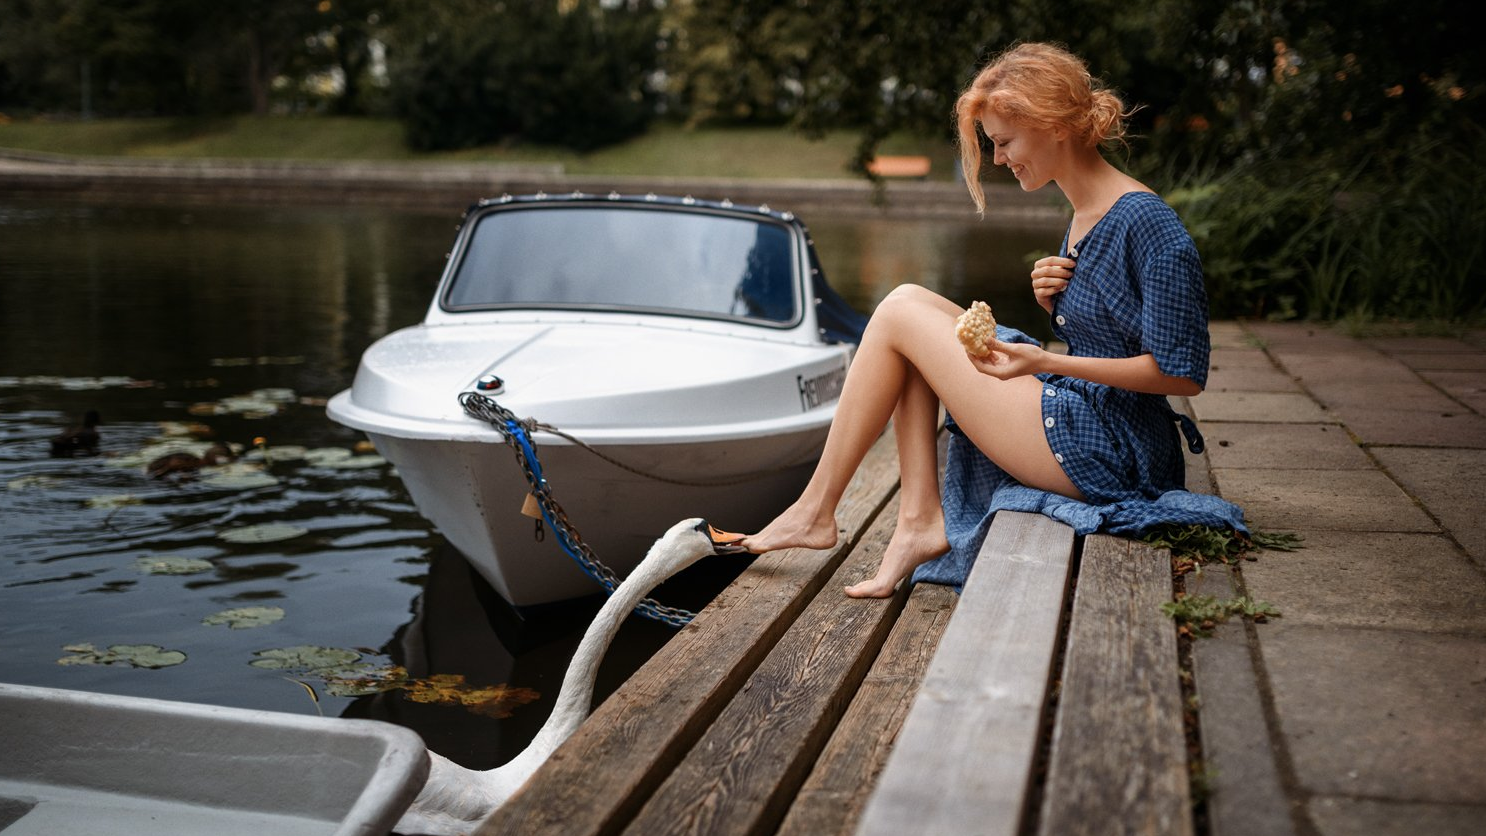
(1050, 277)
(1008, 360)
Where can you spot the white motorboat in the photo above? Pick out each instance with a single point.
(691, 349)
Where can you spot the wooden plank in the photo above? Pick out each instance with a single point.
(600, 776)
(832, 798)
(963, 762)
(1118, 762)
(740, 777)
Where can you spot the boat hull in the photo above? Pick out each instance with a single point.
(473, 491)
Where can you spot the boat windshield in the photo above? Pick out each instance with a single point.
(682, 262)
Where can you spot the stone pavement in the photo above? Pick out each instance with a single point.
(1362, 710)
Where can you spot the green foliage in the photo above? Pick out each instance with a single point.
(1200, 614)
(1300, 239)
(574, 74)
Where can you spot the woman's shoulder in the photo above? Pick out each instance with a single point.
(1147, 218)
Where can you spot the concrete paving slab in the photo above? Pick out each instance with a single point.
(1399, 581)
(1465, 386)
(1228, 333)
(1400, 396)
(1247, 796)
(1250, 379)
(1419, 345)
(1368, 817)
(1449, 484)
(1386, 714)
(1284, 446)
(1239, 358)
(1464, 361)
(1367, 367)
(1416, 429)
(1321, 500)
(1300, 337)
(1287, 407)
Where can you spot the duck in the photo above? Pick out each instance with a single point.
(82, 438)
(189, 463)
(454, 799)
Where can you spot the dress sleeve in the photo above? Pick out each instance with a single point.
(1174, 304)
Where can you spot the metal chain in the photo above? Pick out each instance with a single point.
(517, 435)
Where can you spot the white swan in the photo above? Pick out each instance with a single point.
(455, 800)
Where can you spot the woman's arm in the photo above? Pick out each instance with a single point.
(1138, 374)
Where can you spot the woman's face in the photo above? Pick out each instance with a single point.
(1028, 151)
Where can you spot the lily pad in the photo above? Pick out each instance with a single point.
(274, 395)
(265, 533)
(362, 680)
(134, 655)
(39, 481)
(355, 462)
(165, 447)
(276, 454)
(244, 618)
(239, 476)
(172, 565)
(113, 500)
(304, 657)
(323, 456)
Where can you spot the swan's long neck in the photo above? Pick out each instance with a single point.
(576, 694)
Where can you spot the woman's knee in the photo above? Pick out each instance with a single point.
(909, 300)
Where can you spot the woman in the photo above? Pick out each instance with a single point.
(1125, 293)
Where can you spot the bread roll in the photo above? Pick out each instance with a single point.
(976, 329)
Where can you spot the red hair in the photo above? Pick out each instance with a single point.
(1041, 85)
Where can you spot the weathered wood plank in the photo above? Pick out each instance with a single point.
(601, 776)
(1118, 762)
(741, 776)
(833, 796)
(963, 761)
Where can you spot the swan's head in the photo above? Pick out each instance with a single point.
(693, 539)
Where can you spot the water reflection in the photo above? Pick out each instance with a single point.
(189, 306)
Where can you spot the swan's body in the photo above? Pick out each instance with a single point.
(455, 800)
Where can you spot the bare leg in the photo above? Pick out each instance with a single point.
(919, 535)
(911, 337)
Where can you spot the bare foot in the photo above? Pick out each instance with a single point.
(797, 527)
(909, 549)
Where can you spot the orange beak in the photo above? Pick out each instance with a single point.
(725, 542)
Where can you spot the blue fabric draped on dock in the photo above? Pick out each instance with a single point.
(975, 489)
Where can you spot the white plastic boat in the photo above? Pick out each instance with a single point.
(79, 763)
(683, 340)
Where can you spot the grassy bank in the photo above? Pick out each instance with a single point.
(664, 150)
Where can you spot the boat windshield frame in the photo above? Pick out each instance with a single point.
(469, 231)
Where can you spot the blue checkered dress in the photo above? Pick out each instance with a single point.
(1137, 289)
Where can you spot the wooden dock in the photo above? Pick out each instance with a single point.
(1044, 699)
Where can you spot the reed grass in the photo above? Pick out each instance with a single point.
(1284, 241)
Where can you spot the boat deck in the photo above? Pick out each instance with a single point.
(1020, 706)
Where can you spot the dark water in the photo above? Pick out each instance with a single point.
(151, 315)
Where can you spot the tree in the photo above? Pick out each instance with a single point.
(573, 73)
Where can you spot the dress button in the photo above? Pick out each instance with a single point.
(1058, 457)
(1051, 393)
(1061, 320)
(1048, 422)
(1073, 252)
